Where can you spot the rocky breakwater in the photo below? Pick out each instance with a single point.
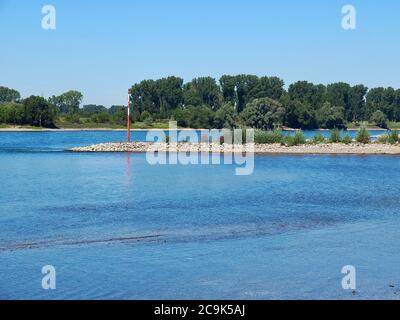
(325, 148)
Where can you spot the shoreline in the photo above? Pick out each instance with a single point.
(151, 129)
(258, 149)
(85, 130)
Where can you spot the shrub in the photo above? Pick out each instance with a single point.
(393, 137)
(335, 136)
(318, 138)
(363, 135)
(384, 138)
(145, 115)
(347, 139)
(148, 121)
(379, 119)
(268, 137)
(295, 140)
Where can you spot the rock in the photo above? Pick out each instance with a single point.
(333, 148)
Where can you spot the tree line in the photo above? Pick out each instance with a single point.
(41, 112)
(233, 101)
(264, 103)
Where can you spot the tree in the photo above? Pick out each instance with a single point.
(68, 102)
(9, 95)
(338, 95)
(194, 117)
(386, 100)
(12, 113)
(144, 116)
(308, 93)
(264, 113)
(356, 104)
(93, 108)
(158, 97)
(242, 89)
(268, 87)
(101, 117)
(119, 115)
(330, 117)
(225, 117)
(38, 112)
(202, 91)
(115, 109)
(299, 115)
(379, 119)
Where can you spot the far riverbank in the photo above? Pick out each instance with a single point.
(31, 129)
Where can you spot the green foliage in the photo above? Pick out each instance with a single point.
(335, 136)
(393, 137)
(159, 97)
(329, 117)
(145, 116)
(243, 89)
(225, 117)
(73, 118)
(308, 93)
(347, 139)
(12, 113)
(38, 112)
(298, 114)
(363, 135)
(264, 114)
(379, 119)
(386, 100)
(103, 117)
(92, 108)
(318, 139)
(202, 91)
(295, 140)
(268, 137)
(194, 117)
(68, 102)
(9, 95)
(148, 121)
(384, 138)
(237, 100)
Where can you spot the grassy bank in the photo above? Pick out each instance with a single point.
(391, 125)
(63, 124)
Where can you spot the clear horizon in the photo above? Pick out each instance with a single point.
(102, 49)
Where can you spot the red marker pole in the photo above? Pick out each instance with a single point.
(129, 115)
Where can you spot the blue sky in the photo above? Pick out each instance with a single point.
(103, 47)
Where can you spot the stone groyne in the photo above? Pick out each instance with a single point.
(325, 148)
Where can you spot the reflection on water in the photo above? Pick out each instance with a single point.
(116, 227)
(128, 170)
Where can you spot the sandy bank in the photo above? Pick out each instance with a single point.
(334, 148)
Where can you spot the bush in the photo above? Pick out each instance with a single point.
(379, 119)
(144, 116)
(73, 118)
(393, 137)
(268, 137)
(335, 136)
(295, 140)
(347, 139)
(148, 121)
(384, 138)
(318, 139)
(363, 135)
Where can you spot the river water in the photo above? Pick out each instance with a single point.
(115, 227)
